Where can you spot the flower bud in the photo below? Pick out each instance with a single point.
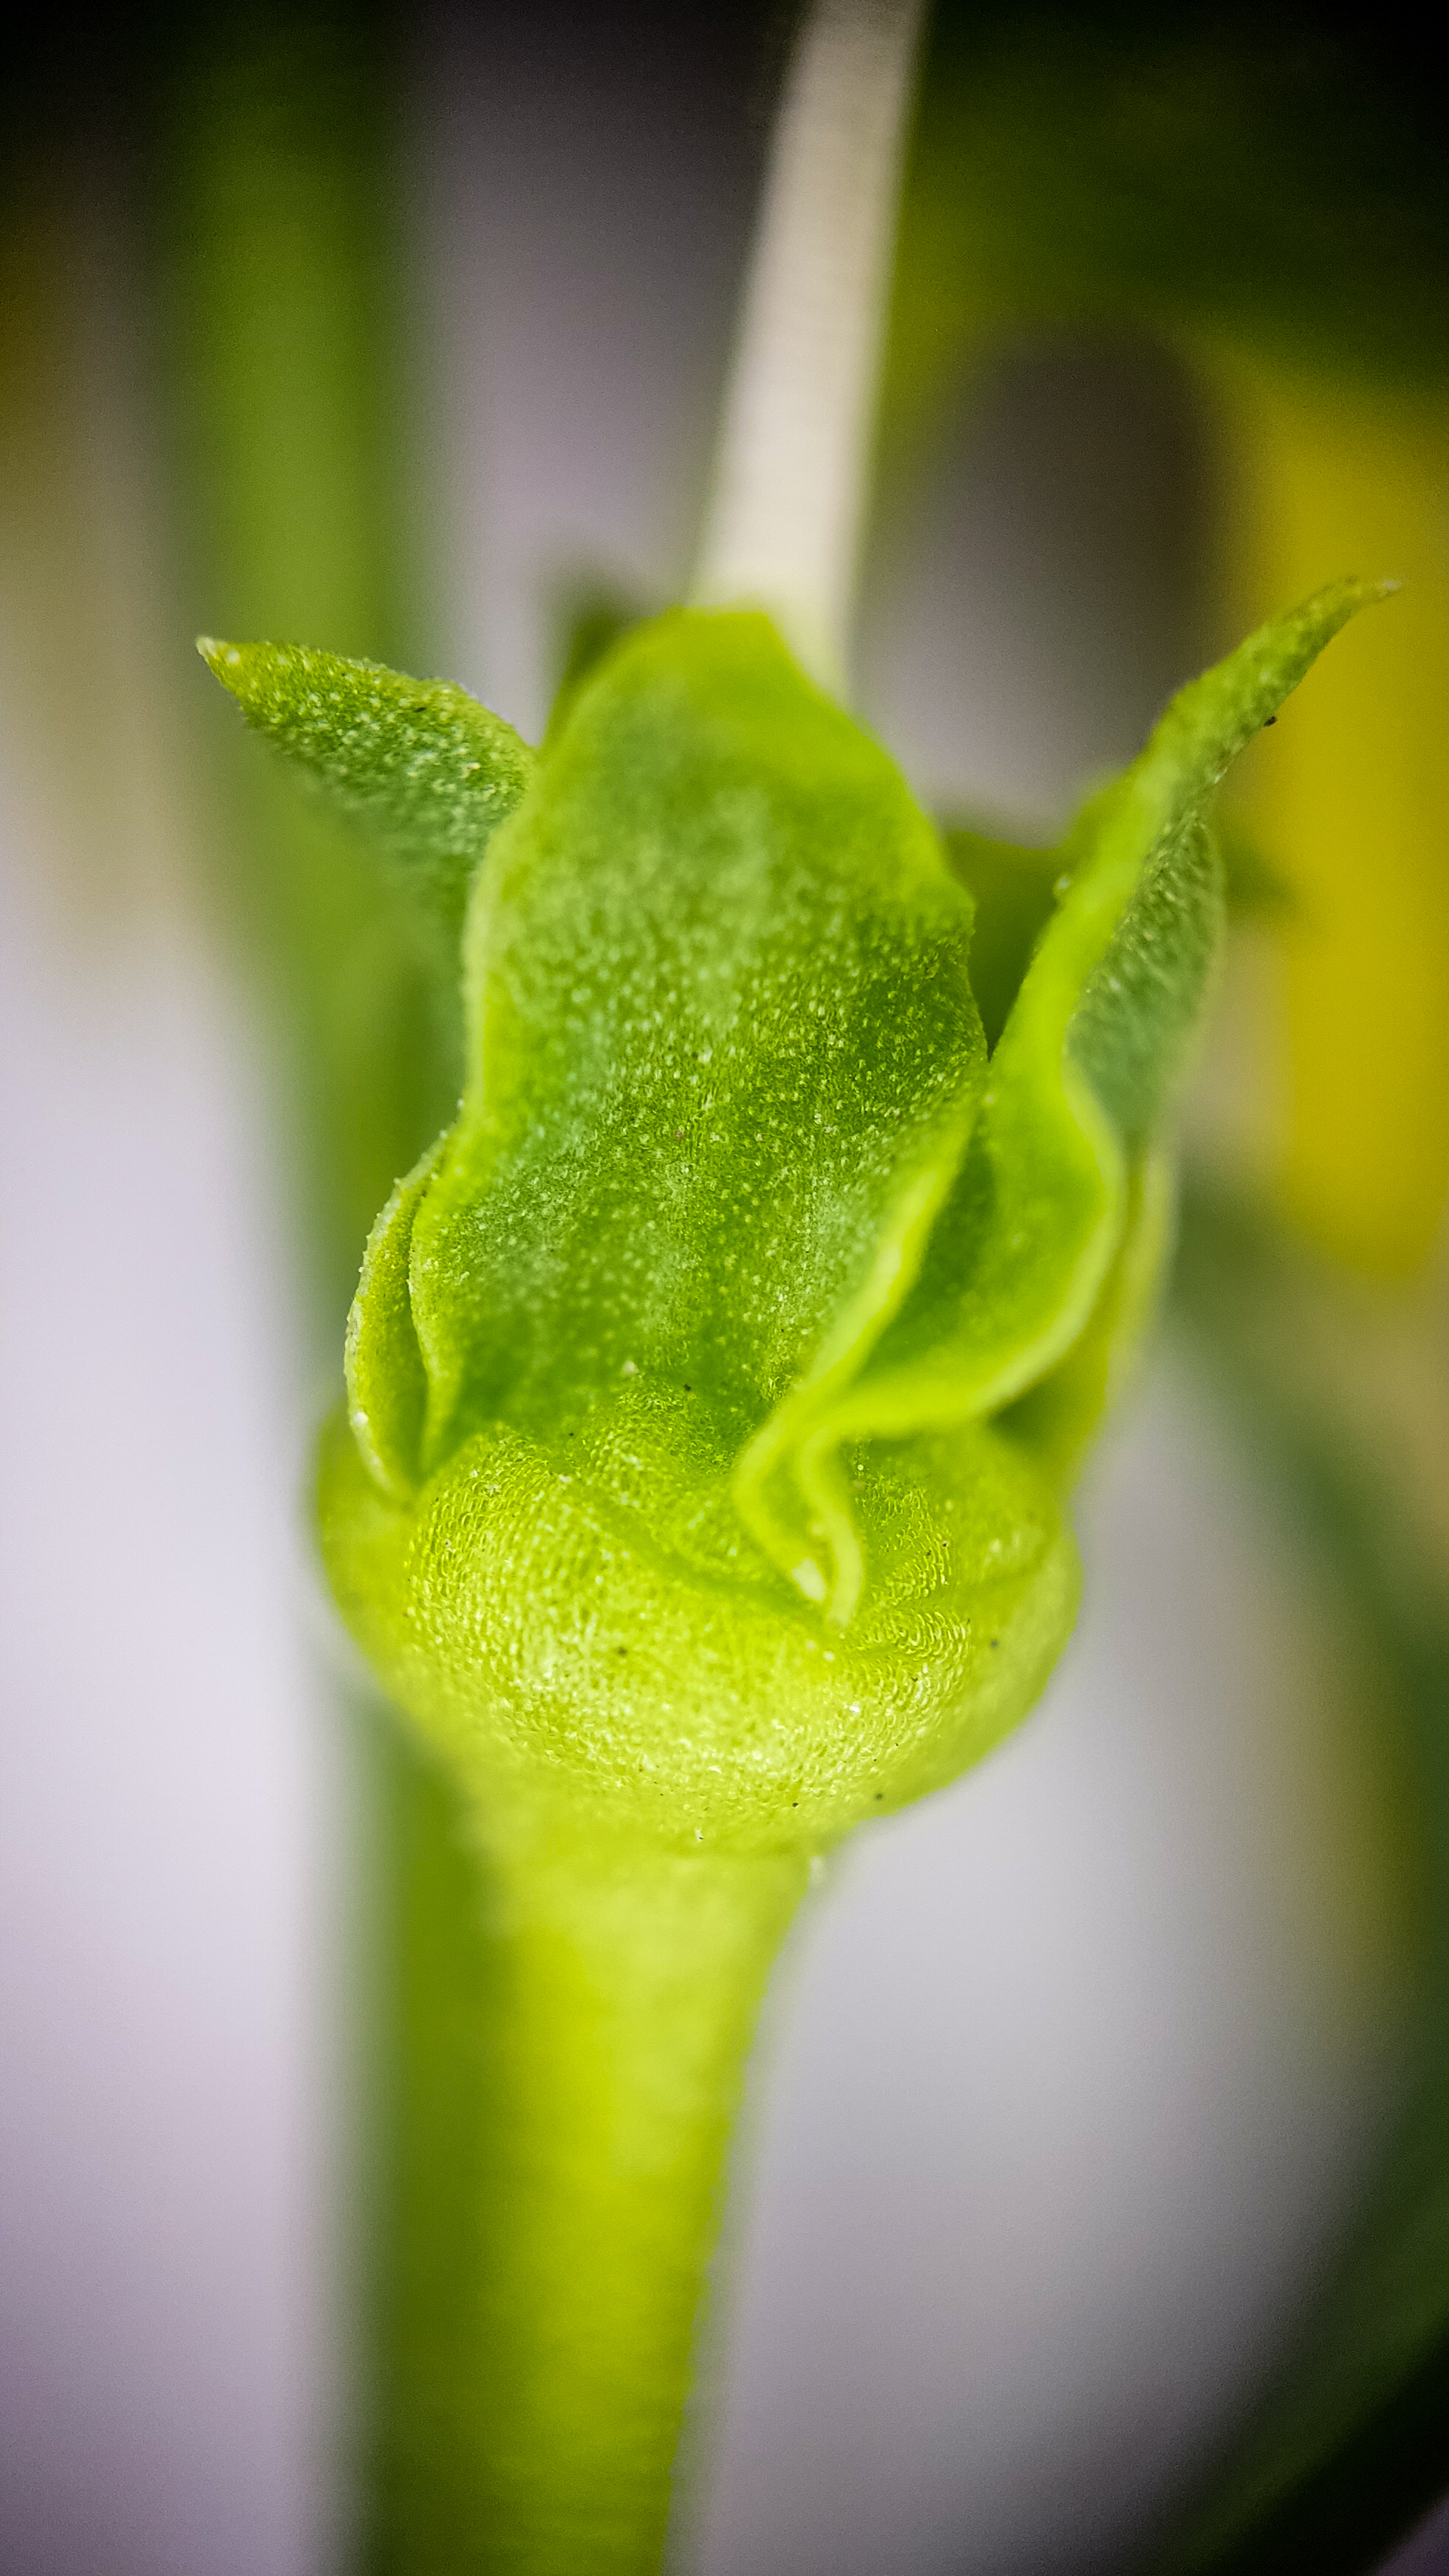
(717, 1381)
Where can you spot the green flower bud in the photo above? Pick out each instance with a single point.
(717, 1382)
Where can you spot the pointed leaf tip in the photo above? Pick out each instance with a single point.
(426, 771)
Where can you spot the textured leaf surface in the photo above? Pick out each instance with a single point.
(426, 770)
(386, 1383)
(725, 1055)
(717, 1388)
(724, 1059)
(1022, 1246)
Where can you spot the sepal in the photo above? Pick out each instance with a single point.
(427, 772)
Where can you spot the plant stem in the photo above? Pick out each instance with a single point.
(784, 522)
(625, 1980)
(621, 1993)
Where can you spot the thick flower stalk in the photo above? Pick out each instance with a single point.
(716, 1385)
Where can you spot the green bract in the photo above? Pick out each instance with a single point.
(423, 769)
(716, 1382)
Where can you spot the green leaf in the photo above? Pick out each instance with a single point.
(426, 771)
(387, 1387)
(1022, 1245)
(1014, 886)
(725, 1055)
(1058, 1416)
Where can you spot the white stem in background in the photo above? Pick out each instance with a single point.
(783, 525)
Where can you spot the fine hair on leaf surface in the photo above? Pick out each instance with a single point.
(424, 770)
(742, 1253)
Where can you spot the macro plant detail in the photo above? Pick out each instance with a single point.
(792, 1176)
(715, 1389)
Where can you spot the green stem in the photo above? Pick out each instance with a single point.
(620, 1986)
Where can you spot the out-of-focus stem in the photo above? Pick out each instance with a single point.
(276, 176)
(616, 2008)
(783, 524)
